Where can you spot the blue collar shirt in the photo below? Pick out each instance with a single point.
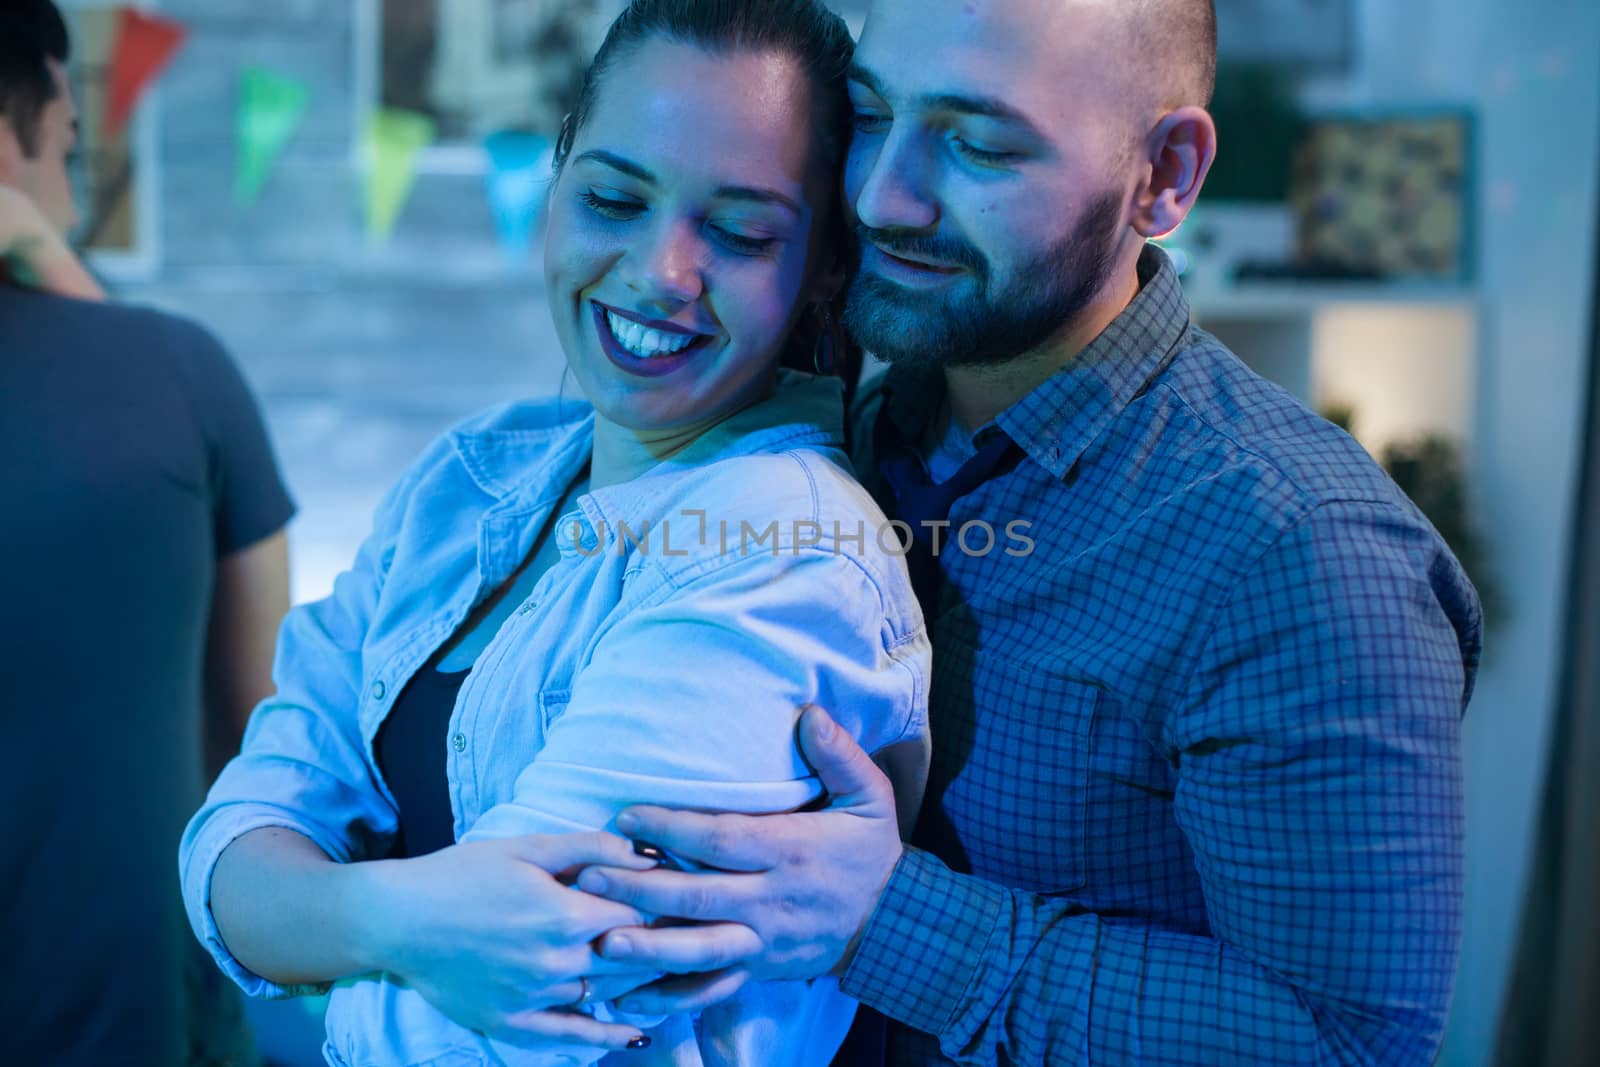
(1196, 793)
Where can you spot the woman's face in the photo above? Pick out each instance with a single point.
(679, 250)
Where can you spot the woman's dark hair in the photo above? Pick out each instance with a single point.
(802, 29)
(31, 34)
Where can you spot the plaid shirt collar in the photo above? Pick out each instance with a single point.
(1060, 418)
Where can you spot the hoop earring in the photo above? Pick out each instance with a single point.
(822, 354)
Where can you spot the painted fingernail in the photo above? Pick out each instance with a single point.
(649, 852)
(617, 947)
(627, 822)
(639, 1042)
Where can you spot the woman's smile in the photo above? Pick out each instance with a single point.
(649, 348)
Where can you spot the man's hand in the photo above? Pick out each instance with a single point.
(791, 894)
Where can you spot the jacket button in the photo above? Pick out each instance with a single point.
(378, 689)
(460, 741)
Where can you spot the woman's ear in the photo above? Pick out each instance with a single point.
(1179, 153)
(564, 137)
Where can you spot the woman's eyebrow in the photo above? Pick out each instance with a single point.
(616, 162)
(757, 195)
(748, 193)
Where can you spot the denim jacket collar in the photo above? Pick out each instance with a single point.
(509, 458)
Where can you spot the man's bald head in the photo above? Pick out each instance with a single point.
(1029, 146)
(1143, 57)
(1175, 42)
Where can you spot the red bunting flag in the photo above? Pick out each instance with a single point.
(144, 44)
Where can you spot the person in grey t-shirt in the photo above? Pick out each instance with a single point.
(144, 576)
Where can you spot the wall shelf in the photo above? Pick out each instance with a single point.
(1401, 356)
(1270, 299)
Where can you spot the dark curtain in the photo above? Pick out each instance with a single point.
(1553, 1009)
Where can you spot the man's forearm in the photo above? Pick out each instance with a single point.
(250, 597)
(981, 967)
(47, 263)
(221, 737)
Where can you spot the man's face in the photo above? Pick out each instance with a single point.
(42, 176)
(988, 177)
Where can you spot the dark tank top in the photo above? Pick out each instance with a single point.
(412, 757)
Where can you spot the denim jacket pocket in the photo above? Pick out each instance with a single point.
(451, 1058)
(374, 1021)
(552, 704)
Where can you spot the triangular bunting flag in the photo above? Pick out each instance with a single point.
(393, 139)
(518, 179)
(270, 110)
(143, 45)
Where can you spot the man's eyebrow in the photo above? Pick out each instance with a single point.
(616, 162)
(966, 103)
(987, 106)
(861, 74)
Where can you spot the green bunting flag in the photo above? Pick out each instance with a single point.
(269, 112)
(393, 139)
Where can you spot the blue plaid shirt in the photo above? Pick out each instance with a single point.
(1196, 795)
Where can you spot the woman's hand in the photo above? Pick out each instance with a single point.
(34, 255)
(491, 934)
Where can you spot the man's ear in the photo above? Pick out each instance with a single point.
(1179, 153)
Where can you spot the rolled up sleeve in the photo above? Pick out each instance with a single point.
(303, 765)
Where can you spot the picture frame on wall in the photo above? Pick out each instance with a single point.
(117, 180)
(475, 67)
(1387, 194)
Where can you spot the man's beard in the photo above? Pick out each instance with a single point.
(981, 327)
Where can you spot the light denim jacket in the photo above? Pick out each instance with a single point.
(662, 659)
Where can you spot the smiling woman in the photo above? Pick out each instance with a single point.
(704, 241)
(485, 684)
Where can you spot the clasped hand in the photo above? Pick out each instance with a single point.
(492, 934)
(790, 896)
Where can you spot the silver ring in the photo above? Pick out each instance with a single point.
(586, 997)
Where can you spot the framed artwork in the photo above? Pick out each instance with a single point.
(1387, 195)
(118, 180)
(476, 66)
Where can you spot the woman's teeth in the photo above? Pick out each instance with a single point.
(645, 342)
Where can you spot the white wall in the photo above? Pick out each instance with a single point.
(1533, 71)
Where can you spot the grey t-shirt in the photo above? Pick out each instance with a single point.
(132, 458)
